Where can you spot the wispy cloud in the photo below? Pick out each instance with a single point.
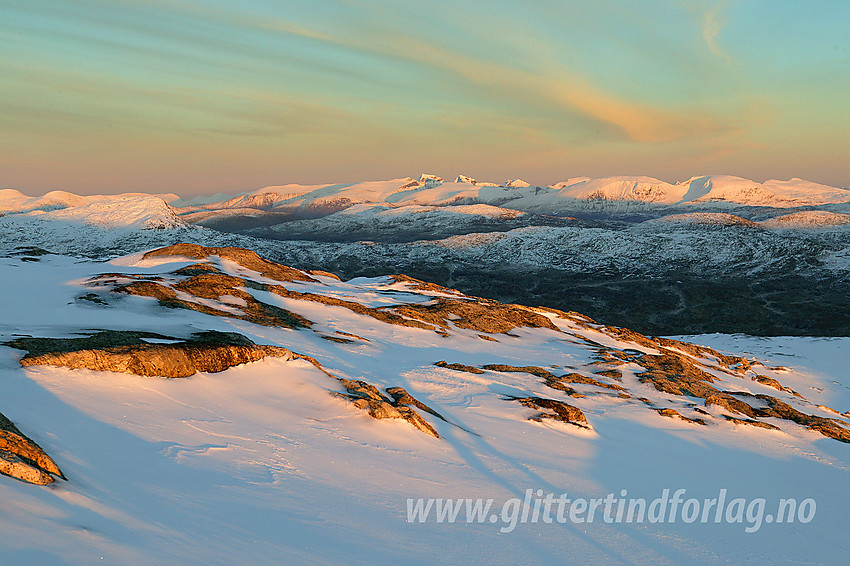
(381, 83)
(710, 16)
(713, 22)
(562, 89)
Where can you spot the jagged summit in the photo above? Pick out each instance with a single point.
(427, 177)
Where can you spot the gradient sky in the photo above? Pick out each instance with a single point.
(201, 97)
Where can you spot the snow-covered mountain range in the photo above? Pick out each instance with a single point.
(406, 199)
(206, 405)
(693, 266)
(127, 210)
(348, 207)
(430, 190)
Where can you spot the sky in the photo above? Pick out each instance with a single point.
(226, 96)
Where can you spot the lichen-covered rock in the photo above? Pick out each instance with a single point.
(556, 381)
(14, 466)
(673, 413)
(554, 409)
(128, 352)
(459, 367)
(205, 285)
(782, 410)
(751, 422)
(366, 396)
(480, 315)
(207, 281)
(22, 458)
(769, 381)
(246, 258)
(675, 373)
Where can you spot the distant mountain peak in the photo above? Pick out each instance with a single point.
(466, 180)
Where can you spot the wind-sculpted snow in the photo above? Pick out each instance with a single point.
(23, 459)
(235, 283)
(389, 388)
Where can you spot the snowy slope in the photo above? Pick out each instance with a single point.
(808, 219)
(370, 221)
(708, 244)
(431, 190)
(779, 194)
(261, 463)
(128, 210)
(611, 195)
(623, 195)
(708, 218)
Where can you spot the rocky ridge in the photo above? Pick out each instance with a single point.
(669, 366)
(669, 378)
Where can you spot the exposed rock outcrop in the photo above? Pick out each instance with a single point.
(751, 422)
(612, 373)
(479, 315)
(675, 373)
(237, 283)
(130, 352)
(22, 458)
(553, 409)
(366, 396)
(781, 410)
(208, 283)
(209, 286)
(556, 381)
(682, 369)
(246, 258)
(459, 367)
(673, 413)
(402, 397)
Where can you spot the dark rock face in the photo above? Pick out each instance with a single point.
(402, 397)
(128, 352)
(22, 458)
